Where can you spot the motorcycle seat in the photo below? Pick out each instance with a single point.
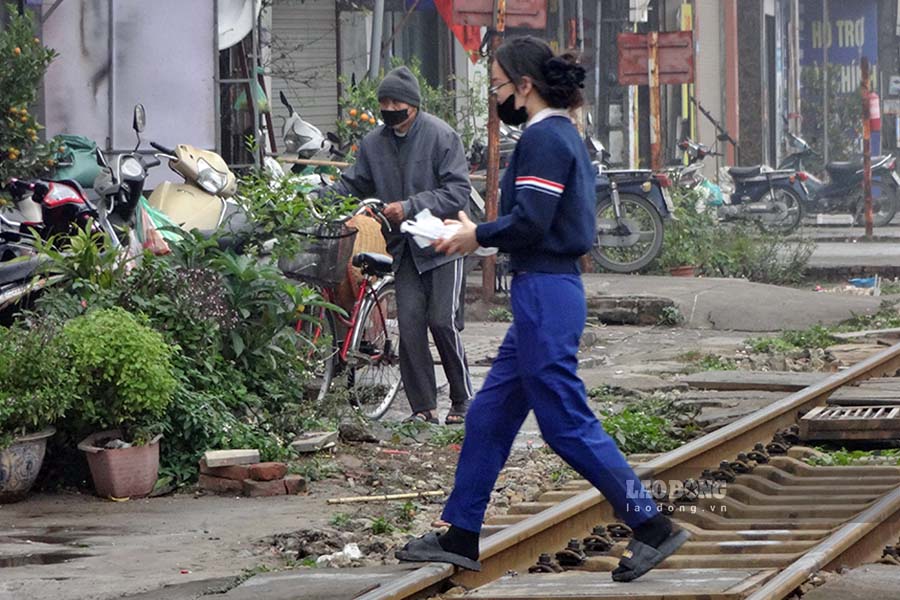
(843, 167)
(18, 270)
(372, 263)
(744, 172)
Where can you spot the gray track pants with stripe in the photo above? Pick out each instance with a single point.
(431, 301)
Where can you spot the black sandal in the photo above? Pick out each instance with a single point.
(423, 416)
(639, 558)
(454, 418)
(428, 549)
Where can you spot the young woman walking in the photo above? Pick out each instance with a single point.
(546, 222)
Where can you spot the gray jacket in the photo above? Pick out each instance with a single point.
(425, 169)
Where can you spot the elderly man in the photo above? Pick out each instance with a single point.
(413, 162)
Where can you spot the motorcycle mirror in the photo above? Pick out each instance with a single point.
(722, 137)
(140, 118)
(333, 138)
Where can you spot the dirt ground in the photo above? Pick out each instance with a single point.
(74, 546)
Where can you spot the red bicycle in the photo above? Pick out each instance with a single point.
(364, 362)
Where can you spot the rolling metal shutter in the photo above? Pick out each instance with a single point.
(304, 61)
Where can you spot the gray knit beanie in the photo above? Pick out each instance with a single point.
(400, 84)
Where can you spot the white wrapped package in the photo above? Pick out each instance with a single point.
(426, 228)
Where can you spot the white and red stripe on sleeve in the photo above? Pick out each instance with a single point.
(541, 185)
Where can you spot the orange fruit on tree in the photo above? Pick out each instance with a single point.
(17, 51)
(353, 112)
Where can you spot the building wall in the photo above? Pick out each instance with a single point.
(710, 72)
(303, 60)
(750, 70)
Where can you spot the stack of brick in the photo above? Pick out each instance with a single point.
(242, 473)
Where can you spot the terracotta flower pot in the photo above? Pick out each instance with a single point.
(684, 271)
(20, 464)
(121, 472)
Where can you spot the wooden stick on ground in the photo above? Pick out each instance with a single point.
(384, 497)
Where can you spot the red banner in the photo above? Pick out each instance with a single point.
(468, 36)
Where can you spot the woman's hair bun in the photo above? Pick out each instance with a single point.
(564, 71)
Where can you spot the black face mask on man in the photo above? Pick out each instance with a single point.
(392, 118)
(508, 112)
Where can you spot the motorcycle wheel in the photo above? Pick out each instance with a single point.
(634, 249)
(884, 205)
(787, 219)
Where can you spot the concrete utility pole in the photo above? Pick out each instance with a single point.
(826, 80)
(377, 31)
(867, 146)
(488, 263)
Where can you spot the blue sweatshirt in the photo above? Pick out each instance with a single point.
(547, 204)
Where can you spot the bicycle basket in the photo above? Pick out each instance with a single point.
(325, 255)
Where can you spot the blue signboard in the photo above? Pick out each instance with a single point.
(850, 34)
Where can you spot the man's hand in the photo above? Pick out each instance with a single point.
(463, 241)
(394, 212)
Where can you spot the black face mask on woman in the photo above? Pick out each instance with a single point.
(508, 112)
(392, 118)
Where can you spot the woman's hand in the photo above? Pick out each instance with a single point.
(461, 242)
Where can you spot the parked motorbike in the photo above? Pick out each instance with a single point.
(120, 183)
(631, 206)
(690, 176)
(843, 192)
(776, 199)
(205, 201)
(306, 140)
(55, 209)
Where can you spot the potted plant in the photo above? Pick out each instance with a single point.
(689, 238)
(35, 392)
(123, 384)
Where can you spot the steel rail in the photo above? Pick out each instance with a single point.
(517, 546)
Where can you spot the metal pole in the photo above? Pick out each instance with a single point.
(377, 29)
(488, 264)
(796, 123)
(579, 15)
(732, 99)
(655, 123)
(560, 23)
(597, 33)
(867, 147)
(826, 85)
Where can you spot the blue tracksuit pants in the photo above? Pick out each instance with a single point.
(535, 369)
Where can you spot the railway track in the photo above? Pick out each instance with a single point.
(763, 521)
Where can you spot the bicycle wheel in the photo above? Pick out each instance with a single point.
(373, 373)
(632, 243)
(319, 343)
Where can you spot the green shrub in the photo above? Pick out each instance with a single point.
(122, 371)
(651, 424)
(739, 249)
(463, 110)
(35, 378)
(816, 336)
(23, 62)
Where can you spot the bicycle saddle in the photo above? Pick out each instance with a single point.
(372, 263)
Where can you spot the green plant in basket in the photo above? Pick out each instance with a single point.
(122, 372)
(35, 379)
